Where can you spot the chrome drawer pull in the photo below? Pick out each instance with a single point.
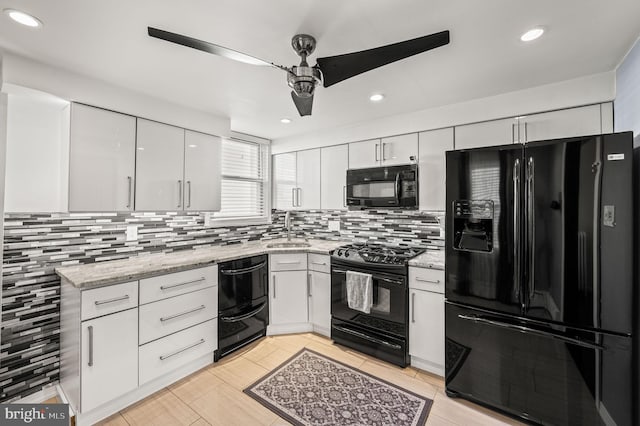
(288, 262)
(170, 317)
(167, 287)
(115, 299)
(427, 281)
(163, 357)
(319, 263)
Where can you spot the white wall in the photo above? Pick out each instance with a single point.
(37, 169)
(78, 88)
(581, 91)
(627, 103)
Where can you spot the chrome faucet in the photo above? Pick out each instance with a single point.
(287, 224)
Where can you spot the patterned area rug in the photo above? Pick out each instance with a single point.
(311, 389)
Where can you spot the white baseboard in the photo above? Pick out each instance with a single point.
(39, 397)
(428, 366)
(322, 330)
(274, 330)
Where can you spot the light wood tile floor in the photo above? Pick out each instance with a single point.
(213, 395)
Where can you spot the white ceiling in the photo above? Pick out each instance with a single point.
(108, 40)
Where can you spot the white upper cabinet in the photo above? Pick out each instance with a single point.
(159, 166)
(308, 179)
(202, 154)
(432, 167)
(334, 162)
(563, 123)
(102, 160)
(284, 180)
(487, 133)
(364, 154)
(398, 149)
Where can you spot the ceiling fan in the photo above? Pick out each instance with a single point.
(328, 71)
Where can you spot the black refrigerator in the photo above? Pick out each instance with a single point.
(541, 281)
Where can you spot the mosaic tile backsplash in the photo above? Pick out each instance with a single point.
(34, 244)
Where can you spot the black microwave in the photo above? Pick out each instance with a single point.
(378, 187)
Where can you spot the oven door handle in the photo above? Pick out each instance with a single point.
(244, 316)
(243, 270)
(400, 282)
(365, 336)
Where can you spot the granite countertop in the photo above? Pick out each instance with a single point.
(145, 266)
(433, 259)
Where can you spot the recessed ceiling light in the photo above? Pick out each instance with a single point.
(532, 34)
(285, 121)
(376, 97)
(23, 18)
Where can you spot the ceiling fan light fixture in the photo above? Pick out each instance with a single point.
(376, 97)
(532, 34)
(23, 18)
(285, 120)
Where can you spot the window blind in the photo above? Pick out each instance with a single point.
(244, 182)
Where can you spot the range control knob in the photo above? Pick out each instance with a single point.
(346, 253)
(339, 252)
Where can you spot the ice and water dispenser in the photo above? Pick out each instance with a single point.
(473, 225)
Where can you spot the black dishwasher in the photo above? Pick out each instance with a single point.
(243, 304)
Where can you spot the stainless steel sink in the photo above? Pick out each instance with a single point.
(289, 244)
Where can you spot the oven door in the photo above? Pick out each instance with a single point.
(389, 314)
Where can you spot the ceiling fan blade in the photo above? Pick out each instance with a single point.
(304, 105)
(207, 47)
(341, 67)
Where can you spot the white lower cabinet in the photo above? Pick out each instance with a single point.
(288, 294)
(426, 319)
(320, 302)
(109, 358)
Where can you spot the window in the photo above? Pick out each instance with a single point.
(244, 185)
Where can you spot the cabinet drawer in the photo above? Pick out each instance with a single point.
(167, 316)
(319, 263)
(426, 279)
(288, 262)
(171, 352)
(158, 288)
(107, 300)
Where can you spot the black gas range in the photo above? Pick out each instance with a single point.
(383, 331)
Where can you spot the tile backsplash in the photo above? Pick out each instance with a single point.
(34, 244)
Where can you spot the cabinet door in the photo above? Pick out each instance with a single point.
(426, 327)
(564, 123)
(334, 162)
(101, 160)
(308, 179)
(364, 154)
(432, 167)
(202, 154)
(399, 149)
(288, 294)
(159, 166)
(488, 133)
(109, 358)
(320, 301)
(284, 180)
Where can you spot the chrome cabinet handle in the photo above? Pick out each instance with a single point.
(309, 285)
(167, 287)
(163, 357)
(516, 229)
(377, 159)
(179, 193)
(513, 133)
(190, 311)
(274, 286)
(298, 196)
(413, 307)
(526, 137)
(129, 181)
(115, 299)
(424, 280)
(288, 262)
(188, 193)
(293, 197)
(344, 196)
(319, 263)
(384, 151)
(90, 363)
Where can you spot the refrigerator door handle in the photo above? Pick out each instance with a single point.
(523, 329)
(531, 231)
(516, 228)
